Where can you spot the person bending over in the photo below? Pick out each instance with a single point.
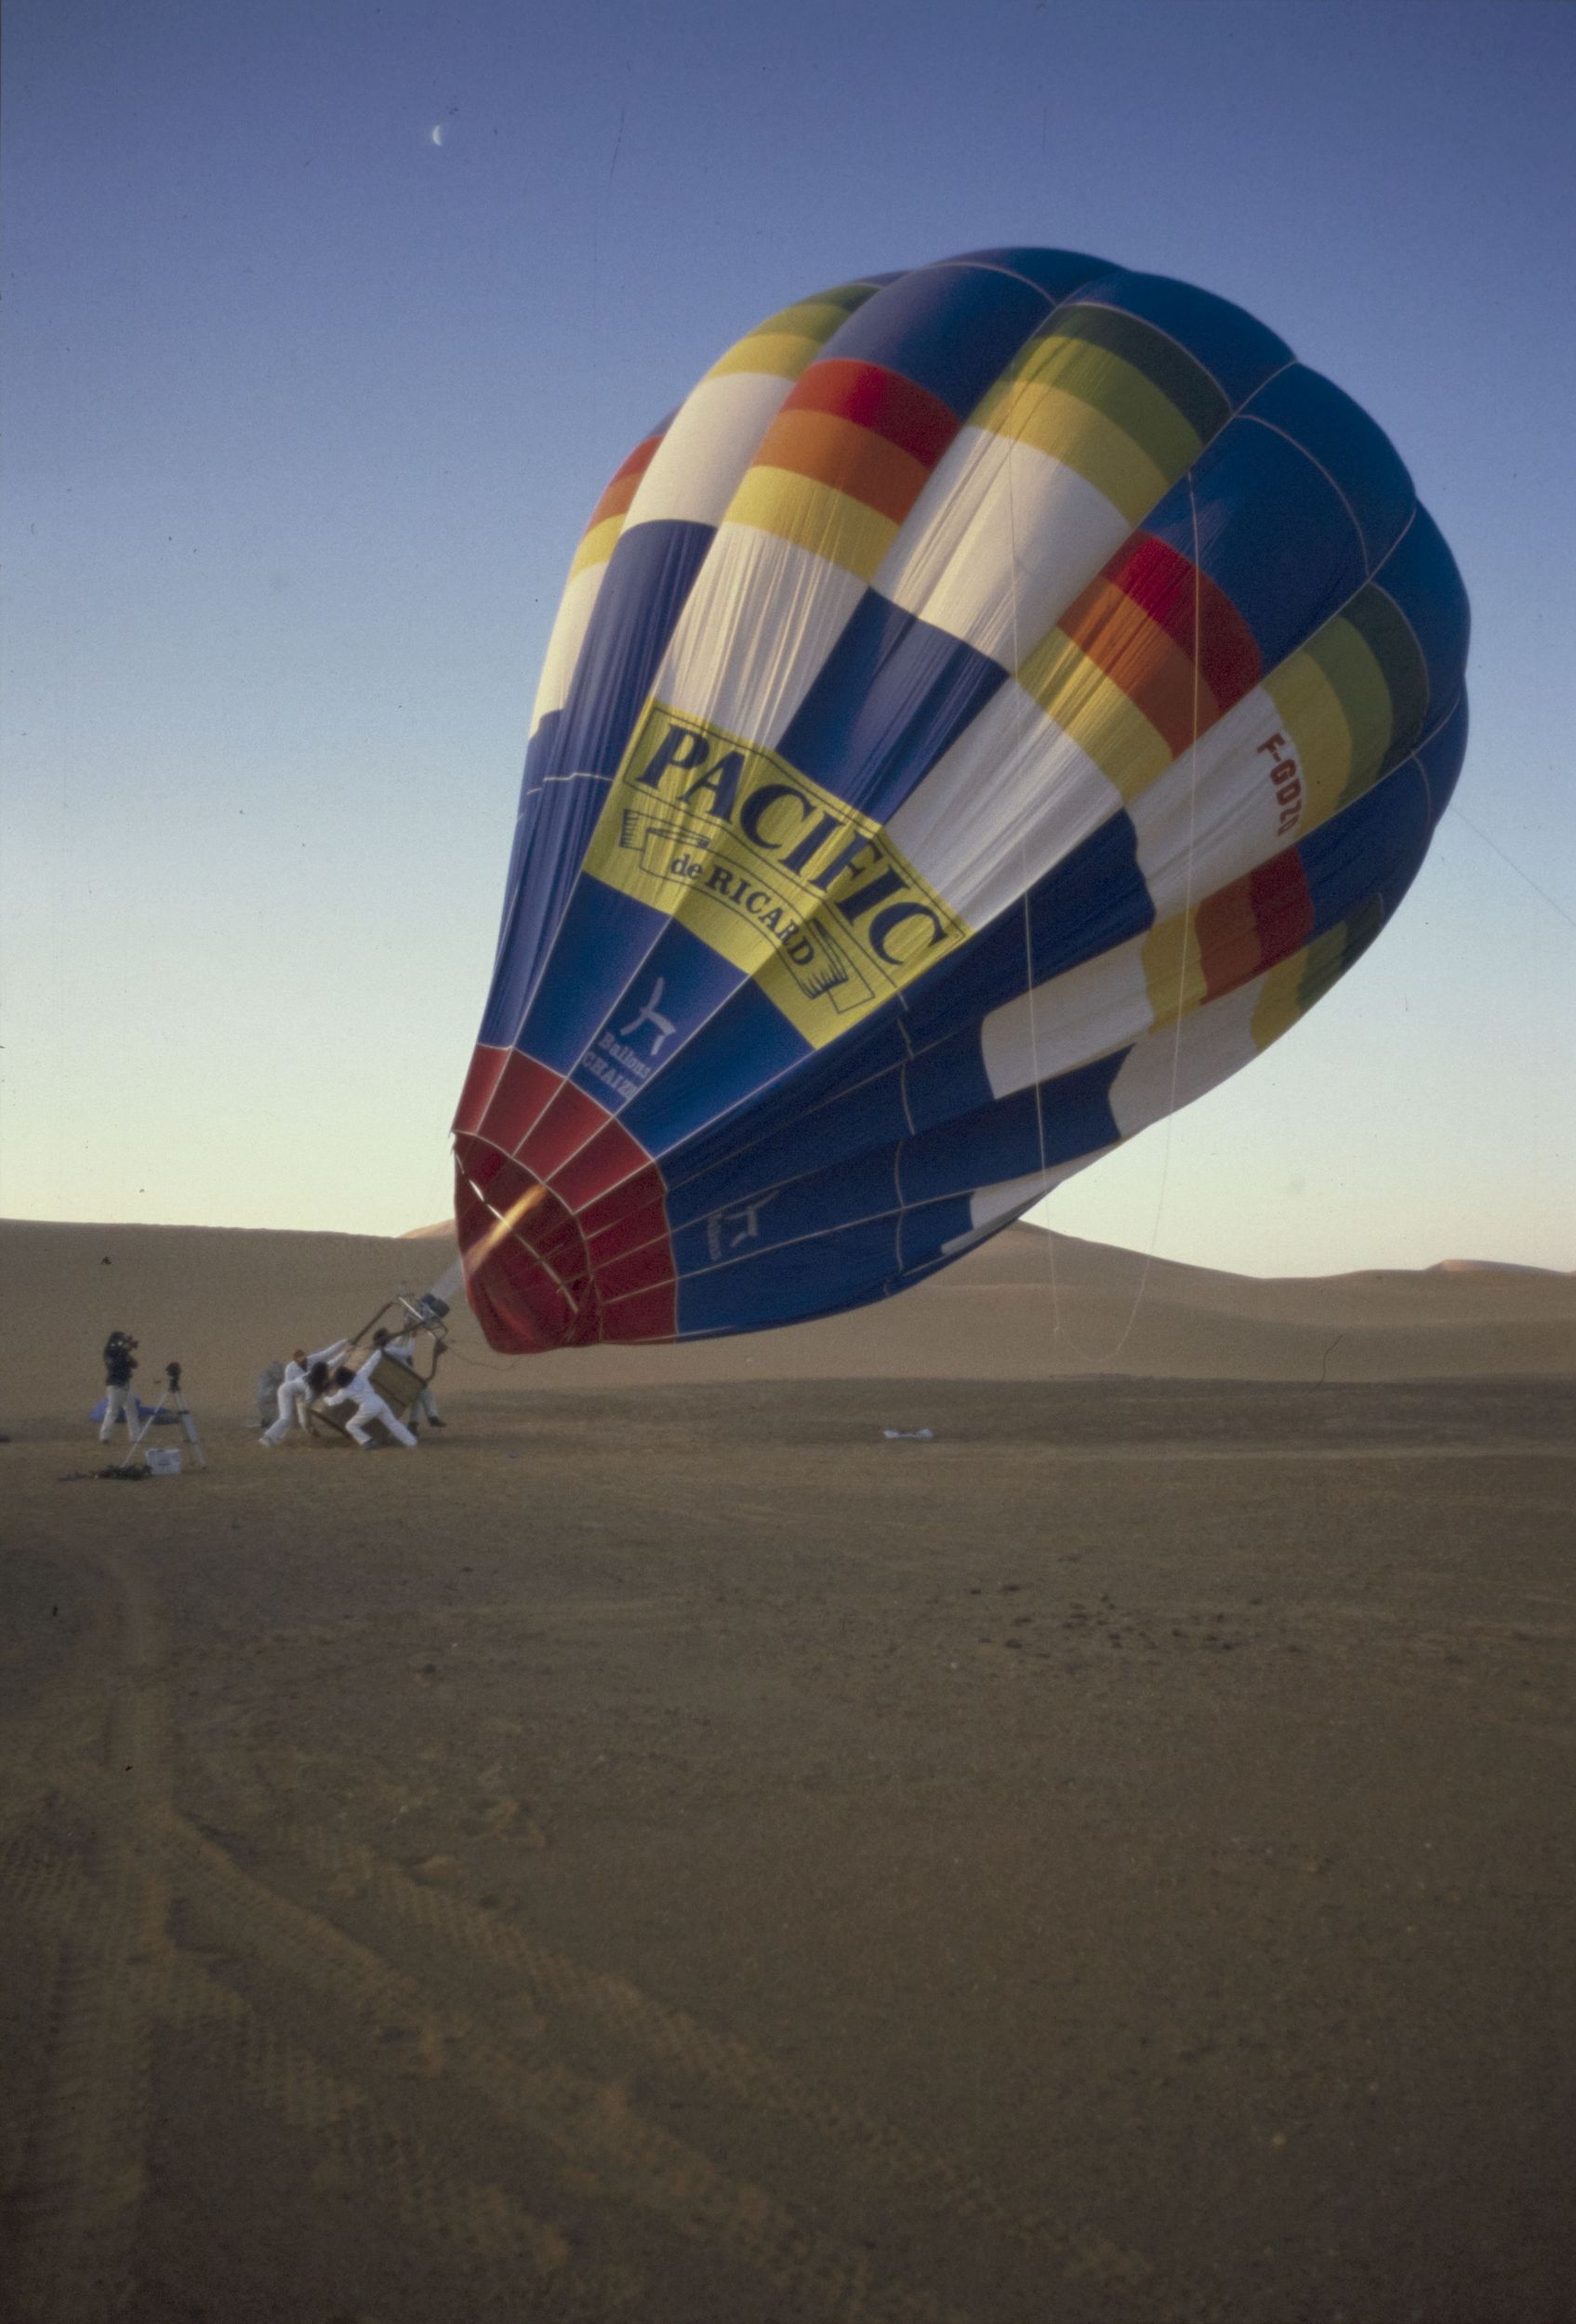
(305, 1377)
(356, 1388)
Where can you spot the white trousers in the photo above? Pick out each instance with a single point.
(293, 1397)
(372, 1408)
(118, 1405)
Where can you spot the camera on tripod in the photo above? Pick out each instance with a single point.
(160, 1460)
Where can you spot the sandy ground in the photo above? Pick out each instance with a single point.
(665, 1852)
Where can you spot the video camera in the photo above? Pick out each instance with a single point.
(172, 1373)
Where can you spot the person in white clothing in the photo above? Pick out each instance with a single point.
(305, 1377)
(426, 1404)
(356, 1388)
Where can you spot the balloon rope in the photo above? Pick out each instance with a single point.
(1458, 815)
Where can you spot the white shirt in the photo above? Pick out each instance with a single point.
(294, 1371)
(360, 1389)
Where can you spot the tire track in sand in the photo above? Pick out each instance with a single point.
(582, 2120)
(668, 2036)
(587, 2122)
(499, 2250)
(81, 2177)
(160, 1855)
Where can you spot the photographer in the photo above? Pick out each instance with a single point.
(119, 1365)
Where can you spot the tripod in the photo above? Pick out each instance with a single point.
(173, 1397)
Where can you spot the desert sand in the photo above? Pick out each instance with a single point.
(666, 1851)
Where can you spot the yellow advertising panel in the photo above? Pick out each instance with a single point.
(780, 876)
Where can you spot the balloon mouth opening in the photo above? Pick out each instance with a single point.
(527, 1274)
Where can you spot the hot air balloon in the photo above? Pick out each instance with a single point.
(995, 705)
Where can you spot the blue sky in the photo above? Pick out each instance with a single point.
(305, 412)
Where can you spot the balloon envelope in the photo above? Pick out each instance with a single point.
(996, 705)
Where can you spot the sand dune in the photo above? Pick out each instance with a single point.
(1479, 1267)
(1026, 1305)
